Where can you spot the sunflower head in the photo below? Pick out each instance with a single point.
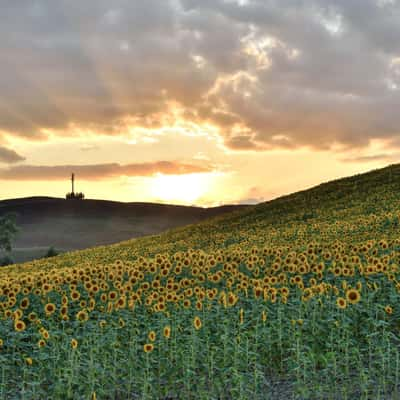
(341, 302)
(49, 308)
(389, 310)
(197, 323)
(82, 316)
(148, 347)
(353, 296)
(19, 325)
(167, 332)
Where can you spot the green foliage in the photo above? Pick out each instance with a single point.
(51, 252)
(6, 260)
(8, 231)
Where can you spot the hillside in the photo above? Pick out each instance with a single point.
(296, 298)
(72, 225)
(356, 208)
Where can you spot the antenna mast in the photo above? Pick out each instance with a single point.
(72, 180)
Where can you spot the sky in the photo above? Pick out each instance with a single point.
(196, 102)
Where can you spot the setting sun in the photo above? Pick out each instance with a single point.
(180, 188)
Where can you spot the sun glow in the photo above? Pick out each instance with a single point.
(185, 188)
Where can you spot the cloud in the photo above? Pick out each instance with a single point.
(98, 171)
(267, 74)
(377, 157)
(9, 156)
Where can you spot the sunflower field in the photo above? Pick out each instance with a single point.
(296, 298)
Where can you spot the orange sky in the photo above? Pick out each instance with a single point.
(187, 102)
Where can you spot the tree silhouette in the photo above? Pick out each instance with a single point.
(8, 231)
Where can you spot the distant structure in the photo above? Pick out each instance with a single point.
(72, 195)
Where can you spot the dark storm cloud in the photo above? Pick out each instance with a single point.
(98, 171)
(269, 73)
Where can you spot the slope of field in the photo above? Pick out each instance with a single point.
(356, 208)
(71, 225)
(293, 298)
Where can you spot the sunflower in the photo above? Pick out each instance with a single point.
(353, 296)
(152, 336)
(75, 295)
(389, 310)
(148, 347)
(121, 323)
(82, 316)
(167, 332)
(49, 308)
(18, 314)
(341, 302)
(45, 334)
(197, 323)
(32, 316)
(24, 303)
(74, 343)
(102, 323)
(28, 361)
(19, 325)
(41, 343)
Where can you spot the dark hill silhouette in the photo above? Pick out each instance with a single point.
(71, 225)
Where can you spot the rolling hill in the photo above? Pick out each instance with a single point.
(71, 225)
(354, 208)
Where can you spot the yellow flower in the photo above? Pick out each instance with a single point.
(197, 323)
(389, 310)
(152, 336)
(24, 303)
(353, 296)
(41, 343)
(32, 316)
(148, 347)
(167, 332)
(341, 302)
(28, 361)
(82, 316)
(19, 325)
(49, 308)
(74, 343)
(102, 323)
(45, 333)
